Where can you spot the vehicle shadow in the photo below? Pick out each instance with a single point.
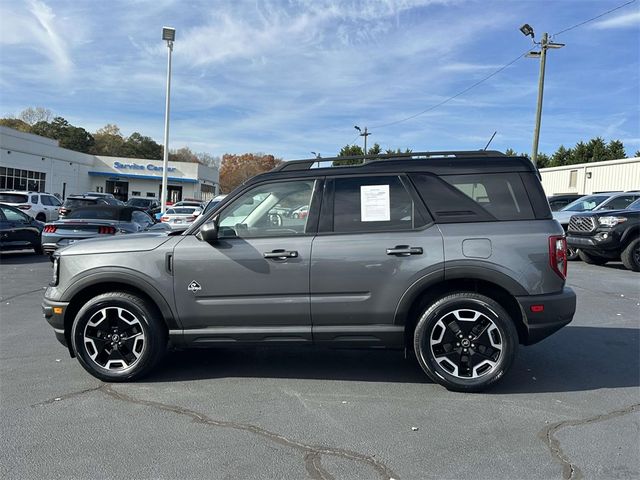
(22, 257)
(573, 359)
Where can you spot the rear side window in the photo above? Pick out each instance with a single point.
(13, 198)
(369, 204)
(79, 202)
(475, 198)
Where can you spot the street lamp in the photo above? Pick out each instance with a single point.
(364, 134)
(545, 44)
(169, 35)
(317, 155)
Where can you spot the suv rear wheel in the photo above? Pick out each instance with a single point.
(592, 259)
(118, 336)
(631, 255)
(465, 341)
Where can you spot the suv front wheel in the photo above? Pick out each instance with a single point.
(465, 341)
(118, 336)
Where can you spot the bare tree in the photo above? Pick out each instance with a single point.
(33, 115)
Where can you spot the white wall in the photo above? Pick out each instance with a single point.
(32, 152)
(612, 175)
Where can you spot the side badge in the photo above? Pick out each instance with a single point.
(194, 287)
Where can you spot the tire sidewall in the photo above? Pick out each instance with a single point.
(461, 301)
(136, 307)
(628, 258)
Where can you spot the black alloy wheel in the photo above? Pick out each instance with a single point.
(465, 341)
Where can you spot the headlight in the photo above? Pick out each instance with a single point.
(56, 269)
(611, 221)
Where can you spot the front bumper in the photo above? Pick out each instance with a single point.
(598, 242)
(558, 311)
(53, 313)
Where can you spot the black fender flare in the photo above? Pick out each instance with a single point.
(123, 276)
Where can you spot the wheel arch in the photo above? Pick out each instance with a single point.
(419, 297)
(629, 235)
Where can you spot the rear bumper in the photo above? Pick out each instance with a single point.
(53, 313)
(559, 309)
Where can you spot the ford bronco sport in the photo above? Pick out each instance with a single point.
(453, 255)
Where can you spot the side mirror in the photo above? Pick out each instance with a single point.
(208, 232)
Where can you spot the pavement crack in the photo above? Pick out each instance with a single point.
(67, 396)
(569, 470)
(21, 294)
(312, 454)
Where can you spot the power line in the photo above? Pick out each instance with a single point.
(494, 73)
(461, 92)
(594, 18)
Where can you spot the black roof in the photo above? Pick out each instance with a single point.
(439, 163)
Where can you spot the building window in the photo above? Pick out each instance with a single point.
(207, 192)
(17, 179)
(100, 189)
(151, 194)
(573, 178)
(135, 194)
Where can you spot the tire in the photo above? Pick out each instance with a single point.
(573, 253)
(592, 259)
(491, 346)
(132, 323)
(41, 217)
(631, 256)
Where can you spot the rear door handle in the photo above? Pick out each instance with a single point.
(404, 250)
(281, 254)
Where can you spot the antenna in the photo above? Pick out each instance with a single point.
(490, 140)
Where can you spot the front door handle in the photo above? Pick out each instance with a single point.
(404, 250)
(281, 254)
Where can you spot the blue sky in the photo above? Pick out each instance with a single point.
(290, 77)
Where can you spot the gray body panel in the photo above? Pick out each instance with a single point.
(355, 285)
(241, 288)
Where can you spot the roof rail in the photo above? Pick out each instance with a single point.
(365, 159)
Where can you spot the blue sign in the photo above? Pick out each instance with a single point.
(137, 166)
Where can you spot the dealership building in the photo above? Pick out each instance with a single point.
(34, 163)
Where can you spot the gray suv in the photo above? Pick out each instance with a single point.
(454, 255)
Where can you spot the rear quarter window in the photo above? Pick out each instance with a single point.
(13, 198)
(475, 198)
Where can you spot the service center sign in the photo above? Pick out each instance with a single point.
(136, 166)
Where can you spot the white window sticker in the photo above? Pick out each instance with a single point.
(374, 203)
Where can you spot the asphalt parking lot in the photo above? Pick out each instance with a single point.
(570, 407)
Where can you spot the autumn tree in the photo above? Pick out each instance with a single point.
(16, 124)
(32, 115)
(183, 154)
(108, 141)
(236, 169)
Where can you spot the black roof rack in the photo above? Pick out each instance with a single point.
(365, 159)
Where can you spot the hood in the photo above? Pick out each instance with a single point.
(563, 216)
(607, 213)
(134, 242)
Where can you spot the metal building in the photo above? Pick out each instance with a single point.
(585, 178)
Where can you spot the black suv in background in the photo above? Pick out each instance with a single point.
(607, 235)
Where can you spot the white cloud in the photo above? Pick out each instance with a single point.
(631, 19)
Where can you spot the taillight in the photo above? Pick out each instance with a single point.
(190, 219)
(558, 255)
(24, 207)
(50, 229)
(164, 219)
(106, 230)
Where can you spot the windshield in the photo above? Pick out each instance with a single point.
(95, 214)
(635, 205)
(585, 204)
(13, 198)
(139, 202)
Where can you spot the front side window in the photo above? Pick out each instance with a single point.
(618, 203)
(370, 204)
(273, 209)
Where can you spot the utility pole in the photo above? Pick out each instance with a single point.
(545, 44)
(364, 134)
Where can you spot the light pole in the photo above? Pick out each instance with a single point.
(364, 134)
(168, 34)
(317, 155)
(545, 44)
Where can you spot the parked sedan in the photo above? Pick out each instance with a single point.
(178, 217)
(90, 222)
(18, 230)
(77, 201)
